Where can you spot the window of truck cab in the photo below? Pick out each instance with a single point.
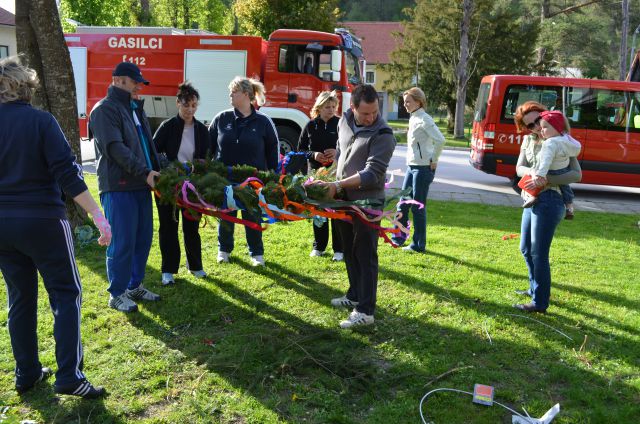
(294, 58)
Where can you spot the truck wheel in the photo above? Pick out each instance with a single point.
(288, 139)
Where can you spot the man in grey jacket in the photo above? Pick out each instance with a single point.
(127, 168)
(365, 146)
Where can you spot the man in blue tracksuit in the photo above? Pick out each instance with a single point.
(127, 168)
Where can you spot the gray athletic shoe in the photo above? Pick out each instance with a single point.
(140, 293)
(122, 303)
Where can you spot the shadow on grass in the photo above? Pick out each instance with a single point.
(613, 300)
(490, 309)
(267, 351)
(483, 268)
(272, 354)
(67, 409)
(373, 375)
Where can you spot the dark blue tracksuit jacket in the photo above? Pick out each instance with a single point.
(251, 140)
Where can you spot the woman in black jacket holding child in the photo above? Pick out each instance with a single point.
(182, 138)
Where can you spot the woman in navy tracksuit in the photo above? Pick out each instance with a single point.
(244, 136)
(35, 236)
(318, 140)
(182, 138)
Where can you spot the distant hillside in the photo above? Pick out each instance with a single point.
(374, 10)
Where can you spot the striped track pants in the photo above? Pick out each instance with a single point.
(44, 245)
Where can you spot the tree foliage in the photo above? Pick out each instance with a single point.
(210, 15)
(501, 42)
(262, 17)
(99, 12)
(581, 34)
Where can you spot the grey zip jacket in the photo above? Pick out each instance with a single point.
(121, 164)
(365, 151)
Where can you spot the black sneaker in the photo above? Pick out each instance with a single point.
(82, 388)
(45, 373)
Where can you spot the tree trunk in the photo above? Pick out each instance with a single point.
(461, 68)
(187, 17)
(40, 38)
(544, 14)
(145, 13)
(623, 41)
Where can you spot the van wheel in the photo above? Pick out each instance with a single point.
(514, 184)
(288, 139)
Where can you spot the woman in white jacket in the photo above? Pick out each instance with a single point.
(424, 146)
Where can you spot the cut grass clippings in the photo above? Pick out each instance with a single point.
(251, 345)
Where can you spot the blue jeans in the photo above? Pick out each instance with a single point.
(130, 215)
(565, 189)
(254, 237)
(418, 178)
(538, 226)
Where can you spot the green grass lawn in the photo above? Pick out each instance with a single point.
(401, 126)
(263, 346)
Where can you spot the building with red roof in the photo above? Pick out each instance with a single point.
(7, 33)
(378, 42)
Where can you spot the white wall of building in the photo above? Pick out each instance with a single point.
(8, 38)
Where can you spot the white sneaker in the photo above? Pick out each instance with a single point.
(199, 273)
(356, 319)
(122, 303)
(409, 249)
(257, 260)
(167, 278)
(343, 302)
(316, 253)
(338, 257)
(140, 293)
(223, 257)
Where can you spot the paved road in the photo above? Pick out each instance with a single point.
(459, 181)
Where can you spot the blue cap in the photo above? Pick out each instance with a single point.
(128, 69)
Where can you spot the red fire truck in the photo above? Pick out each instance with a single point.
(294, 66)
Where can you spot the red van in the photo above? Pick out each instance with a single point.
(604, 117)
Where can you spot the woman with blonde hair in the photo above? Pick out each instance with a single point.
(35, 236)
(244, 136)
(424, 146)
(318, 140)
